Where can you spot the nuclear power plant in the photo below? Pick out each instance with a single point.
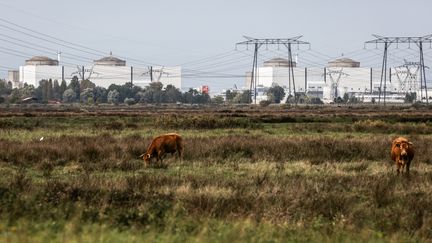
(103, 72)
(341, 76)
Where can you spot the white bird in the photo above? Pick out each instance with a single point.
(41, 138)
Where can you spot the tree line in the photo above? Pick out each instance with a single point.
(87, 92)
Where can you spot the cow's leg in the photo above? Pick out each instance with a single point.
(407, 167)
(146, 163)
(180, 152)
(398, 167)
(160, 157)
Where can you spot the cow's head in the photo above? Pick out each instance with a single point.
(403, 146)
(147, 158)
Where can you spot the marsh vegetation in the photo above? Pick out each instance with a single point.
(247, 174)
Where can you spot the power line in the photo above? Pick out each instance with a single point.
(387, 41)
(60, 42)
(33, 45)
(49, 36)
(257, 43)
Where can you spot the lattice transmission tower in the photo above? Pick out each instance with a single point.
(387, 41)
(407, 75)
(257, 43)
(335, 76)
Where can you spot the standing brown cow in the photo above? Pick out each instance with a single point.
(168, 143)
(402, 153)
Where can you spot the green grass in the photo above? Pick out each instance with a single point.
(301, 202)
(279, 180)
(209, 231)
(213, 231)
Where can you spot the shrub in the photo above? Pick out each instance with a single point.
(129, 101)
(203, 122)
(264, 103)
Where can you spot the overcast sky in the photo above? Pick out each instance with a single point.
(170, 32)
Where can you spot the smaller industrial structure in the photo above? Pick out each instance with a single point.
(13, 77)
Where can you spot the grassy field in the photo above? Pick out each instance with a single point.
(275, 174)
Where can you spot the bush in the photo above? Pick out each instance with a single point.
(204, 122)
(316, 100)
(418, 105)
(264, 103)
(129, 101)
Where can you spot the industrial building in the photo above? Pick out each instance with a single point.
(103, 72)
(38, 68)
(341, 76)
(13, 77)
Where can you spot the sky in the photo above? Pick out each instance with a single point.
(201, 35)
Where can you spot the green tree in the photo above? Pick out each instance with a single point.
(189, 96)
(129, 101)
(194, 97)
(157, 86)
(338, 100)
(113, 97)
(127, 90)
(271, 98)
(243, 98)
(63, 87)
(56, 90)
(69, 96)
(27, 91)
(229, 95)
(44, 91)
(353, 100)
(246, 97)
(202, 98)
(75, 86)
(345, 98)
(146, 96)
(277, 93)
(316, 100)
(100, 94)
(156, 92)
(410, 97)
(5, 87)
(50, 89)
(18, 94)
(15, 96)
(217, 100)
(172, 94)
(153, 93)
(113, 87)
(290, 99)
(86, 84)
(264, 103)
(87, 96)
(140, 97)
(134, 91)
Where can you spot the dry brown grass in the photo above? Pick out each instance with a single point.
(302, 184)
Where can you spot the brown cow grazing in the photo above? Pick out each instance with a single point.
(402, 152)
(168, 143)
